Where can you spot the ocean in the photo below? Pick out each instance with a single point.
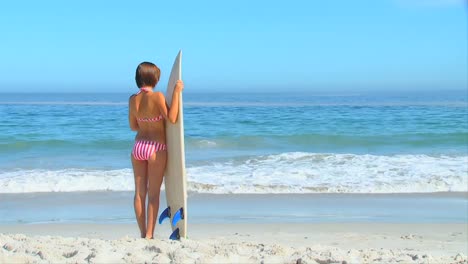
(254, 143)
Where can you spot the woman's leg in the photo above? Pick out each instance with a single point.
(156, 167)
(141, 186)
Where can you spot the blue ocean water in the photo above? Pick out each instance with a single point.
(244, 143)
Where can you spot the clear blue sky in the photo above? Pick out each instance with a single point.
(242, 45)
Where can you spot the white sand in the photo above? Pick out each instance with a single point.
(237, 243)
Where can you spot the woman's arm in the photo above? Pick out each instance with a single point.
(171, 113)
(131, 115)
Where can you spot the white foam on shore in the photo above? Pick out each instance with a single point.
(334, 173)
(283, 173)
(68, 180)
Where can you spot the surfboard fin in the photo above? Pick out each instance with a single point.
(178, 216)
(165, 214)
(175, 235)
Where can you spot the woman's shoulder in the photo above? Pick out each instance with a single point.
(158, 96)
(132, 98)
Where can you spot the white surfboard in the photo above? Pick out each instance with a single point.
(174, 179)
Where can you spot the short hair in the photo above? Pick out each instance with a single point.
(147, 74)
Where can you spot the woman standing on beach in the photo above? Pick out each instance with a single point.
(147, 113)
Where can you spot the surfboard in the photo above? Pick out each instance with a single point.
(174, 179)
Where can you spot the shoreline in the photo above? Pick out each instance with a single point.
(117, 207)
(238, 243)
(99, 227)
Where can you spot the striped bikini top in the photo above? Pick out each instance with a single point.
(153, 119)
(149, 119)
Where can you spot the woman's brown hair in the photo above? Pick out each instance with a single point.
(147, 74)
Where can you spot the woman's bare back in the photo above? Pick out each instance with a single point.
(149, 117)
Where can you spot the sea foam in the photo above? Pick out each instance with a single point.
(295, 172)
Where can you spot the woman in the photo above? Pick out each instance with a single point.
(147, 113)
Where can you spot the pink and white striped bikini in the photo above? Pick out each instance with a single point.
(143, 149)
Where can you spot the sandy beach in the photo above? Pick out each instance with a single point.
(237, 243)
(335, 228)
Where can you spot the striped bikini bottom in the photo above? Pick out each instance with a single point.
(143, 149)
